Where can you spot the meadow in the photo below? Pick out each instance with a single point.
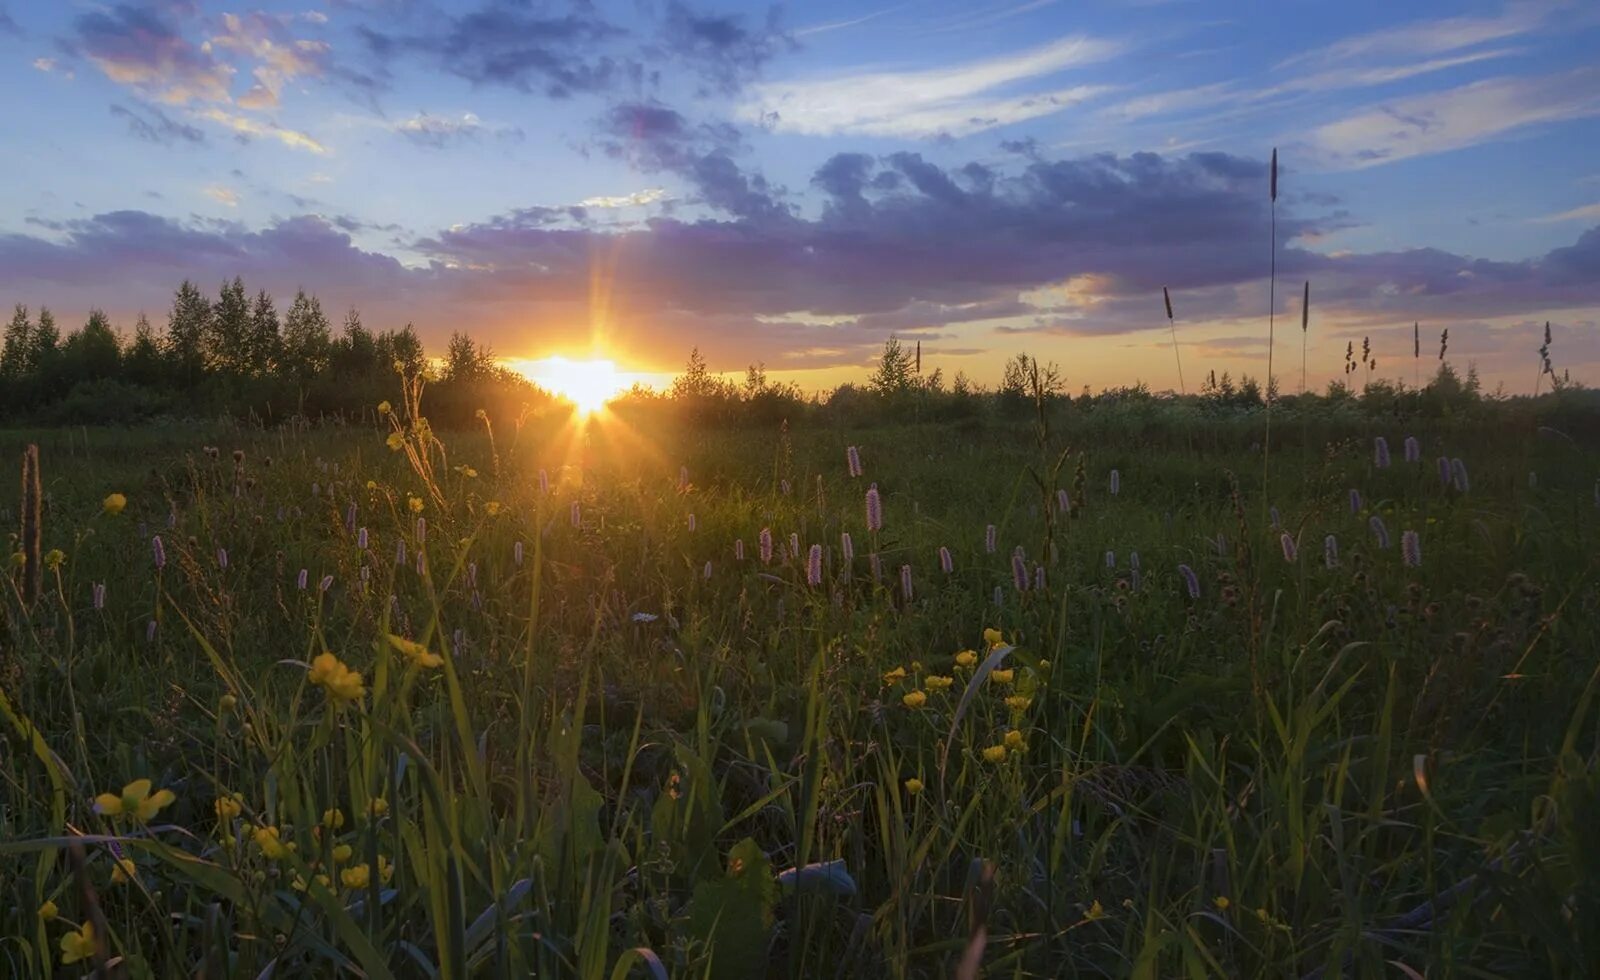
(1068, 695)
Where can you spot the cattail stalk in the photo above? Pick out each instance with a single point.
(1305, 327)
(1176, 354)
(32, 525)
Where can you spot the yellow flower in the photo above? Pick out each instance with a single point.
(966, 658)
(936, 682)
(415, 652)
(894, 676)
(378, 807)
(468, 472)
(914, 699)
(55, 558)
(481, 415)
(913, 786)
(992, 638)
(395, 442)
(135, 801)
(356, 877)
(227, 702)
(372, 484)
(1002, 676)
(123, 870)
(340, 682)
(1014, 741)
(272, 848)
(492, 508)
(385, 869)
(399, 366)
(384, 408)
(1044, 665)
(415, 503)
(1096, 912)
(1017, 702)
(230, 806)
(48, 911)
(994, 753)
(1221, 902)
(333, 818)
(114, 503)
(341, 853)
(77, 945)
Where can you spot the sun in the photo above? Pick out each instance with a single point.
(588, 385)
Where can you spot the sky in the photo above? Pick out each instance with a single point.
(793, 184)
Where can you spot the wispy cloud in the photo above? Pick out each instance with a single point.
(278, 56)
(954, 101)
(248, 127)
(437, 132)
(1437, 122)
(1425, 38)
(650, 195)
(138, 48)
(839, 25)
(222, 195)
(1589, 212)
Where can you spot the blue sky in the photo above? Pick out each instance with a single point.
(792, 184)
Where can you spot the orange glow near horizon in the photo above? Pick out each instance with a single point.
(588, 385)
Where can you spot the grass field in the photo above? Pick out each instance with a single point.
(583, 738)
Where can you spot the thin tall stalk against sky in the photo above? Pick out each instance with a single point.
(1272, 325)
(1176, 354)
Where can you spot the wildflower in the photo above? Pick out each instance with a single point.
(946, 563)
(913, 786)
(905, 582)
(966, 658)
(492, 508)
(1063, 502)
(378, 808)
(385, 869)
(1015, 741)
(358, 876)
(1111, 559)
(992, 638)
(395, 442)
(847, 548)
(874, 509)
(1272, 515)
(895, 676)
(852, 457)
(998, 597)
(764, 544)
(1355, 501)
(794, 545)
(48, 911)
(135, 801)
(114, 503)
(1095, 912)
(98, 595)
(1411, 549)
(914, 699)
(1458, 475)
(814, 566)
(1116, 483)
(1379, 530)
(1291, 552)
(738, 549)
(1018, 702)
(1330, 551)
(1221, 902)
(1002, 676)
(516, 553)
(1413, 450)
(1444, 471)
(708, 571)
(300, 580)
(158, 552)
(938, 682)
(325, 584)
(1190, 581)
(994, 753)
(333, 818)
(384, 408)
(1380, 452)
(989, 539)
(1019, 573)
(342, 853)
(692, 524)
(267, 841)
(150, 631)
(339, 682)
(467, 472)
(415, 504)
(415, 652)
(229, 806)
(123, 870)
(1038, 577)
(78, 944)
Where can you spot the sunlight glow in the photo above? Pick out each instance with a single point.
(588, 385)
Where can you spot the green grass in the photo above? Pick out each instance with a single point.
(1305, 769)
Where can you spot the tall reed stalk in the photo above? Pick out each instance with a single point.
(32, 513)
(1176, 354)
(1272, 329)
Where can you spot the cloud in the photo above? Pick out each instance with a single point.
(437, 132)
(954, 101)
(637, 199)
(1427, 38)
(139, 48)
(7, 24)
(278, 56)
(1588, 212)
(150, 123)
(223, 195)
(654, 138)
(248, 127)
(1437, 122)
(722, 47)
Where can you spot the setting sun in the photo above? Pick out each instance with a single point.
(588, 385)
